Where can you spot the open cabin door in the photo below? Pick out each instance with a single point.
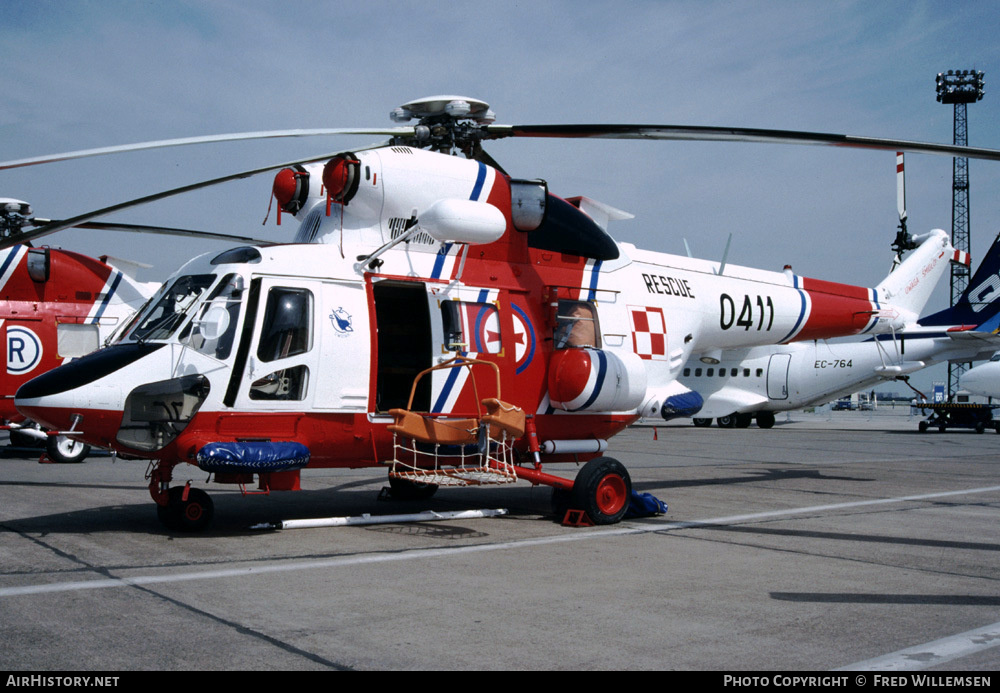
(403, 328)
(419, 326)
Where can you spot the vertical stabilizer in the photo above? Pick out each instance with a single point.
(910, 285)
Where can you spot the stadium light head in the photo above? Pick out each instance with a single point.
(960, 86)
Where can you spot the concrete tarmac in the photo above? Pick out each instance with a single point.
(837, 540)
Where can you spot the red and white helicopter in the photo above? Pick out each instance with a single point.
(433, 315)
(55, 305)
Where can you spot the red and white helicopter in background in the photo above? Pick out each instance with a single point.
(433, 315)
(56, 305)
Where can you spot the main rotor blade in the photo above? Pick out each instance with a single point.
(162, 230)
(54, 226)
(206, 139)
(725, 134)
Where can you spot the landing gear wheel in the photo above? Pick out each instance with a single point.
(922, 426)
(726, 421)
(192, 515)
(743, 420)
(66, 450)
(406, 490)
(603, 490)
(765, 419)
(702, 423)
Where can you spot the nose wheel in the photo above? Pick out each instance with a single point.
(66, 450)
(187, 509)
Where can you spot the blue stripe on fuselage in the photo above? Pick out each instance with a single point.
(449, 382)
(594, 276)
(107, 298)
(802, 314)
(477, 189)
(602, 369)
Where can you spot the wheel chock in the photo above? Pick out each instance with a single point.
(45, 459)
(577, 518)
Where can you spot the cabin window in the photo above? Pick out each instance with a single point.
(76, 340)
(288, 384)
(285, 330)
(687, 372)
(576, 325)
(471, 327)
(697, 372)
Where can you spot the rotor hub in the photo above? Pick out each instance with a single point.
(14, 216)
(446, 123)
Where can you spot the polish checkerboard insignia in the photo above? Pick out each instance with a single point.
(649, 332)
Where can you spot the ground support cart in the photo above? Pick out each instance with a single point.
(945, 415)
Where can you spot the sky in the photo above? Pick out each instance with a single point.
(83, 74)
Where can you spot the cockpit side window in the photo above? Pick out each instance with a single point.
(214, 330)
(576, 325)
(285, 331)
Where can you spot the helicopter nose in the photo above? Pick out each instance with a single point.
(91, 409)
(82, 395)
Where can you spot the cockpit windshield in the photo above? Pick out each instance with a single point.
(172, 305)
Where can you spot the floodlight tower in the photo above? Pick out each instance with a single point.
(959, 87)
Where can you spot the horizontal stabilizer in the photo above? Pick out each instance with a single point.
(983, 333)
(598, 211)
(128, 267)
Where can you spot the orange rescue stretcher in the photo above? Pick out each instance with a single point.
(455, 449)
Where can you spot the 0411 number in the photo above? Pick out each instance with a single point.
(759, 311)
